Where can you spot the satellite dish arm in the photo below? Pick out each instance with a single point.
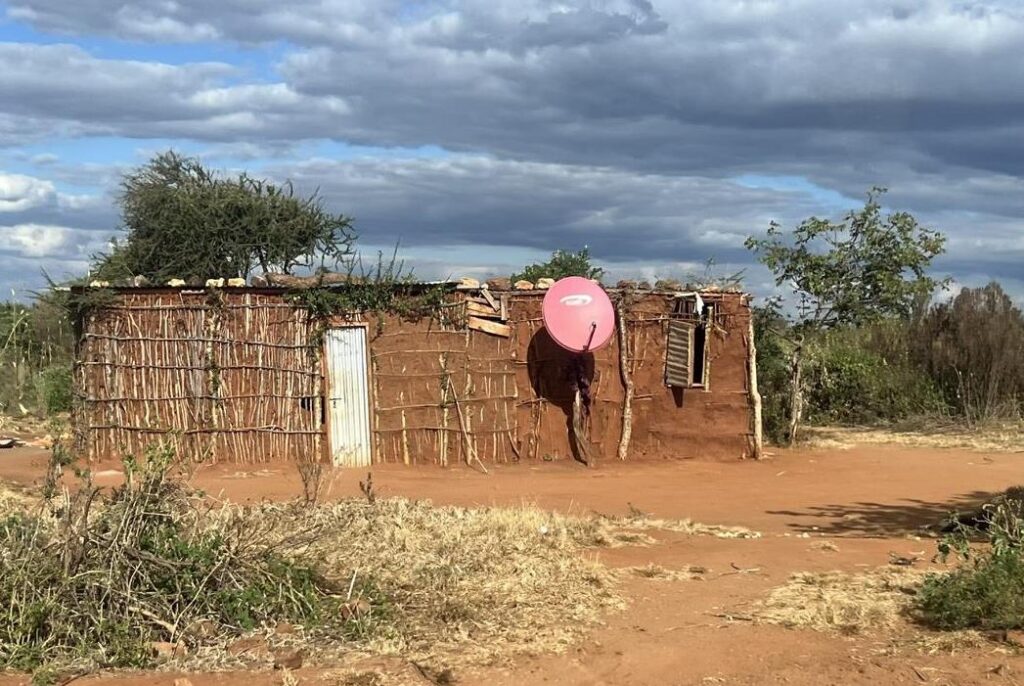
(590, 338)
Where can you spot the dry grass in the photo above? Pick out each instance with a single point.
(640, 521)
(836, 601)
(659, 573)
(876, 602)
(465, 586)
(996, 437)
(13, 500)
(457, 586)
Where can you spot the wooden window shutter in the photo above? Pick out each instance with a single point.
(679, 356)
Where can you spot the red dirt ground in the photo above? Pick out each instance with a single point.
(869, 501)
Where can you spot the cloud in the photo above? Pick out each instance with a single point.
(620, 123)
(625, 217)
(19, 193)
(62, 90)
(34, 240)
(42, 228)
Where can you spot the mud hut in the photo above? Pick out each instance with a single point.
(427, 373)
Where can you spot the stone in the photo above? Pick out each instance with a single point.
(523, 285)
(545, 283)
(215, 283)
(98, 284)
(499, 284)
(289, 658)
(236, 282)
(468, 283)
(139, 281)
(176, 283)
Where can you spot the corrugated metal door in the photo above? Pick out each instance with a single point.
(348, 401)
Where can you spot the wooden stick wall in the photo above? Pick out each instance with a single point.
(224, 377)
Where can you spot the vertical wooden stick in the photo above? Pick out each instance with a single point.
(470, 450)
(755, 395)
(627, 383)
(405, 440)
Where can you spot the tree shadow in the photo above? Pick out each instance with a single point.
(871, 519)
(551, 368)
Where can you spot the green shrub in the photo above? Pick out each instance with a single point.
(98, 579)
(988, 594)
(987, 591)
(847, 382)
(54, 389)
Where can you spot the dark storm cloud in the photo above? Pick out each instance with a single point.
(63, 90)
(622, 216)
(626, 218)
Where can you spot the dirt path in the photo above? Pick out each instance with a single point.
(867, 502)
(867, 491)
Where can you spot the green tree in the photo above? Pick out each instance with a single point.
(563, 263)
(861, 269)
(182, 220)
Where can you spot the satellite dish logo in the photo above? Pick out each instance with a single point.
(576, 300)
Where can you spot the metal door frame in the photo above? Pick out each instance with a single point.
(325, 370)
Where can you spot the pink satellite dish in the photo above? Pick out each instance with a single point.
(578, 314)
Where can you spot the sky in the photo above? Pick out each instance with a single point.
(480, 135)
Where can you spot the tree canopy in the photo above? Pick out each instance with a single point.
(563, 263)
(861, 268)
(182, 220)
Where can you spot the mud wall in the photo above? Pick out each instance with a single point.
(711, 423)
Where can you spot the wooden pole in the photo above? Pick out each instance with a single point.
(755, 395)
(470, 450)
(627, 382)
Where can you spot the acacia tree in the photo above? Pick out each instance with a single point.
(863, 268)
(183, 220)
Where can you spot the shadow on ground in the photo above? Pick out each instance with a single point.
(911, 516)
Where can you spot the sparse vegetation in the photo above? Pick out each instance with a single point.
(36, 342)
(987, 590)
(95, 579)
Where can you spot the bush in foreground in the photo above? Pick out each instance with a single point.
(987, 591)
(98, 579)
(988, 595)
(92, 581)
